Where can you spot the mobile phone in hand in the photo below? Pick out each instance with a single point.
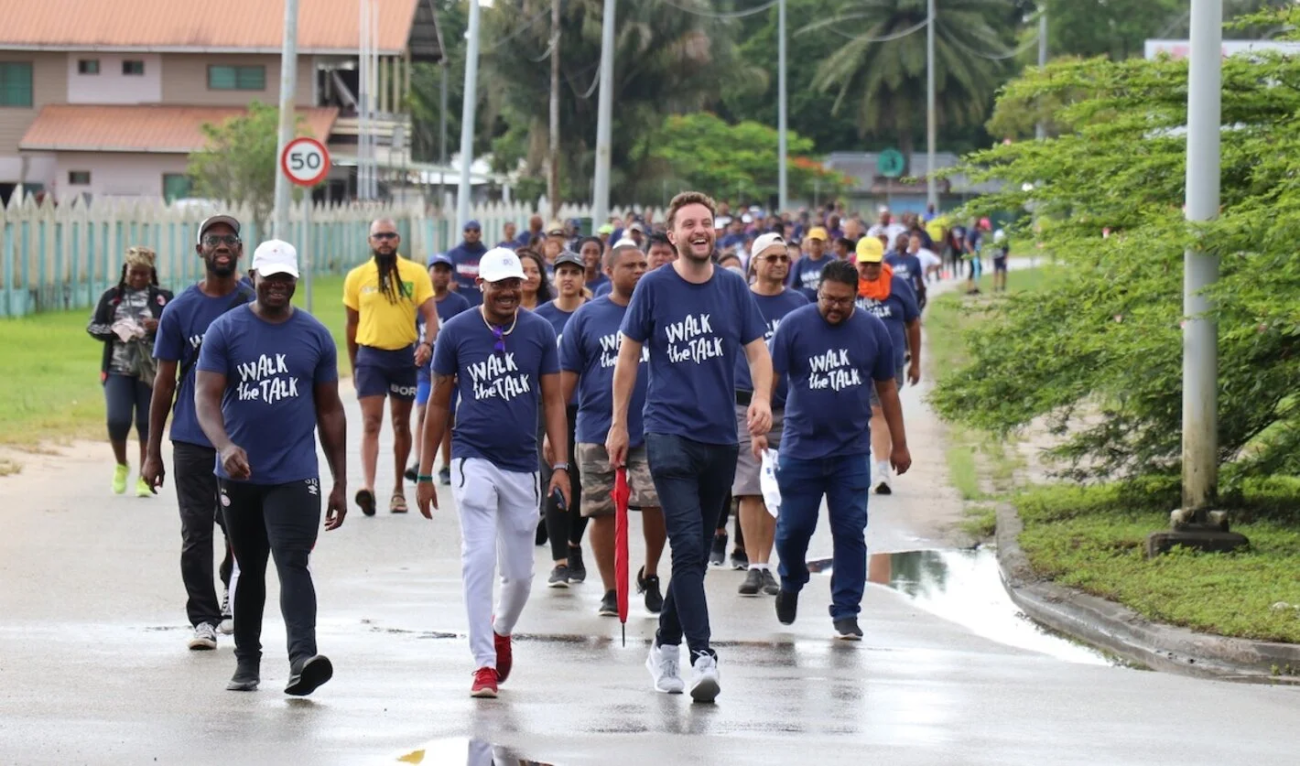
(558, 498)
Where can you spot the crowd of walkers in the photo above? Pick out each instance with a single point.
(735, 364)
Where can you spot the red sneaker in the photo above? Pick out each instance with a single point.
(505, 658)
(485, 684)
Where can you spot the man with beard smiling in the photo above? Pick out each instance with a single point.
(695, 318)
(267, 380)
(383, 296)
(181, 330)
(504, 364)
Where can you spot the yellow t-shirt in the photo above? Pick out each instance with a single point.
(383, 324)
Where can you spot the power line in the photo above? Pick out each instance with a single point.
(724, 14)
(999, 56)
(526, 26)
(829, 25)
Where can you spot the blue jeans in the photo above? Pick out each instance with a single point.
(846, 483)
(692, 480)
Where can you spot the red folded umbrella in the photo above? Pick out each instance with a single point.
(621, 495)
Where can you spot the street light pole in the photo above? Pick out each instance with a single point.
(604, 115)
(783, 190)
(931, 119)
(464, 190)
(1040, 130)
(288, 83)
(1200, 269)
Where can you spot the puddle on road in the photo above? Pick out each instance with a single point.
(965, 587)
(471, 752)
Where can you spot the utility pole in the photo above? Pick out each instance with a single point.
(288, 83)
(464, 191)
(931, 119)
(553, 178)
(783, 190)
(1040, 130)
(604, 114)
(442, 136)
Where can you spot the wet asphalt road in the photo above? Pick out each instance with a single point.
(93, 665)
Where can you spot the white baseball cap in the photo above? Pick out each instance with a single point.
(625, 242)
(275, 257)
(764, 241)
(500, 263)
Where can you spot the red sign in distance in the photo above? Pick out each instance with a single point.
(305, 161)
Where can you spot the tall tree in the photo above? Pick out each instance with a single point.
(879, 72)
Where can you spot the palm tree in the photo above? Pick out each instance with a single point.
(878, 68)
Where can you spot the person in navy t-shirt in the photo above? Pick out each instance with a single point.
(907, 265)
(592, 252)
(267, 380)
(180, 336)
(588, 353)
(770, 266)
(448, 304)
(695, 318)
(833, 357)
(564, 528)
(504, 364)
(807, 271)
(464, 258)
(889, 297)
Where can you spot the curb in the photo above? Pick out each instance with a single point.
(1120, 631)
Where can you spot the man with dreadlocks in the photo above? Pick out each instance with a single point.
(382, 297)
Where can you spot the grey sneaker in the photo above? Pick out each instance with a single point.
(770, 586)
(227, 625)
(559, 577)
(846, 629)
(204, 638)
(609, 604)
(752, 584)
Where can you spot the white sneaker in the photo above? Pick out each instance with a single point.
(663, 664)
(881, 479)
(704, 682)
(205, 637)
(227, 625)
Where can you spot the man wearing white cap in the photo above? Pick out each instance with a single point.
(267, 380)
(504, 364)
(771, 266)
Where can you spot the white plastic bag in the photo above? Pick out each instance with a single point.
(767, 481)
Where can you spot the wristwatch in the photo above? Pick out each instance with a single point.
(560, 467)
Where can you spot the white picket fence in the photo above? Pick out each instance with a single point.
(62, 257)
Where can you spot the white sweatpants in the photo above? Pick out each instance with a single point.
(498, 519)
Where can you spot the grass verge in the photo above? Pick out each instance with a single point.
(51, 391)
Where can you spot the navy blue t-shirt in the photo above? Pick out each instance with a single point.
(603, 290)
(464, 261)
(831, 369)
(269, 406)
(590, 348)
(908, 267)
(694, 333)
(180, 335)
(558, 318)
(895, 311)
(448, 306)
(600, 282)
(500, 391)
(773, 308)
(806, 275)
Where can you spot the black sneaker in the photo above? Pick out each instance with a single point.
(846, 629)
(309, 676)
(609, 604)
(770, 586)
(787, 606)
(752, 584)
(739, 560)
(577, 569)
(654, 598)
(559, 577)
(247, 677)
(444, 476)
(541, 538)
(718, 556)
(412, 473)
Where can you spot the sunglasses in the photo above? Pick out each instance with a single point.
(777, 259)
(499, 347)
(384, 235)
(212, 240)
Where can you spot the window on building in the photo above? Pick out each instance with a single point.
(88, 66)
(236, 78)
(133, 67)
(176, 186)
(16, 84)
(79, 178)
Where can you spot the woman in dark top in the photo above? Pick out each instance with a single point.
(125, 321)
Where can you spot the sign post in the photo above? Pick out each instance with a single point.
(306, 162)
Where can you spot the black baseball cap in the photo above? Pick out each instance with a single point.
(568, 258)
(228, 220)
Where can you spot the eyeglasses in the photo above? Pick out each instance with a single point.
(824, 298)
(777, 259)
(384, 235)
(500, 334)
(212, 240)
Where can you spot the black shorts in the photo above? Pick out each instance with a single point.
(386, 373)
(1000, 264)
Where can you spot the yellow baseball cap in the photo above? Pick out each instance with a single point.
(870, 250)
(818, 232)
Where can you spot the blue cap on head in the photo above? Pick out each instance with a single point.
(437, 258)
(473, 225)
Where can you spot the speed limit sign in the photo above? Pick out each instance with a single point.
(305, 161)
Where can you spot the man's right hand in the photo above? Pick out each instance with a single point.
(426, 495)
(901, 459)
(153, 472)
(235, 461)
(616, 446)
